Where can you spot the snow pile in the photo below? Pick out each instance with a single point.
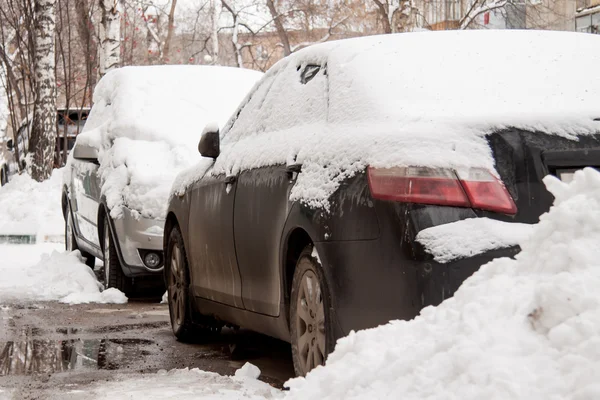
(471, 237)
(40, 273)
(517, 329)
(28, 207)
(179, 384)
(366, 105)
(147, 122)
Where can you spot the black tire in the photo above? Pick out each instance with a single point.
(177, 279)
(309, 318)
(71, 241)
(113, 272)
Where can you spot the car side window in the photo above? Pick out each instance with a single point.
(296, 96)
(235, 128)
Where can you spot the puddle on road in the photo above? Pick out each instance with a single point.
(37, 356)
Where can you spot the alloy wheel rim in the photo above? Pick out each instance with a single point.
(310, 320)
(176, 287)
(106, 256)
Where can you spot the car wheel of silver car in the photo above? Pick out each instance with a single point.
(309, 315)
(71, 241)
(178, 282)
(113, 272)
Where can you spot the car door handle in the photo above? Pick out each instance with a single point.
(230, 179)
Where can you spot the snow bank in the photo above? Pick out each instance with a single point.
(147, 122)
(368, 105)
(182, 384)
(28, 207)
(470, 237)
(527, 328)
(40, 273)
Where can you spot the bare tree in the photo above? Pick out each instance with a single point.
(89, 45)
(43, 130)
(170, 29)
(110, 36)
(479, 7)
(278, 20)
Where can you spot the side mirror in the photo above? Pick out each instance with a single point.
(10, 145)
(85, 152)
(210, 145)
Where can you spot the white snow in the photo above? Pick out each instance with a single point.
(527, 328)
(147, 122)
(181, 384)
(373, 107)
(28, 207)
(248, 370)
(42, 273)
(471, 237)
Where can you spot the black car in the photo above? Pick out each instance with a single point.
(244, 247)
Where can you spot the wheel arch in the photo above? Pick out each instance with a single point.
(170, 223)
(102, 213)
(296, 241)
(64, 201)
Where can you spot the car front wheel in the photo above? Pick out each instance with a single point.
(309, 315)
(178, 283)
(113, 272)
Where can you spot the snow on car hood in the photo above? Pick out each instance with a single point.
(147, 121)
(409, 99)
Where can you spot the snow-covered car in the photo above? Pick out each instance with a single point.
(140, 133)
(6, 158)
(365, 179)
(69, 122)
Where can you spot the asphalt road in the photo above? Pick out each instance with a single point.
(44, 346)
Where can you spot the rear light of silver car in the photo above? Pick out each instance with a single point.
(473, 187)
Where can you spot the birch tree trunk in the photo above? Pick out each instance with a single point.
(110, 32)
(215, 31)
(43, 131)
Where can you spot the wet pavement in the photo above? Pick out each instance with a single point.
(48, 345)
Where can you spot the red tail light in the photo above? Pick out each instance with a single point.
(475, 187)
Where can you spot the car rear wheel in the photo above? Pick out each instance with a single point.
(178, 282)
(71, 242)
(309, 315)
(113, 272)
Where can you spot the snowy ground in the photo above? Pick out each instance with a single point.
(182, 384)
(44, 272)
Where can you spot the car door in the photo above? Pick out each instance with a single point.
(262, 196)
(261, 210)
(85, 198)
(211, 254)
(214, 271)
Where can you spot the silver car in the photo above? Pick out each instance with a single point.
(130, 247)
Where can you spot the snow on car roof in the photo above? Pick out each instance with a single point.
(538, 80)
(146, 122)
(425, 99)
(170, 103)
(545, 81)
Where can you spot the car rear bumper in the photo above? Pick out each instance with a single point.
(372, 285)
(135, 236)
